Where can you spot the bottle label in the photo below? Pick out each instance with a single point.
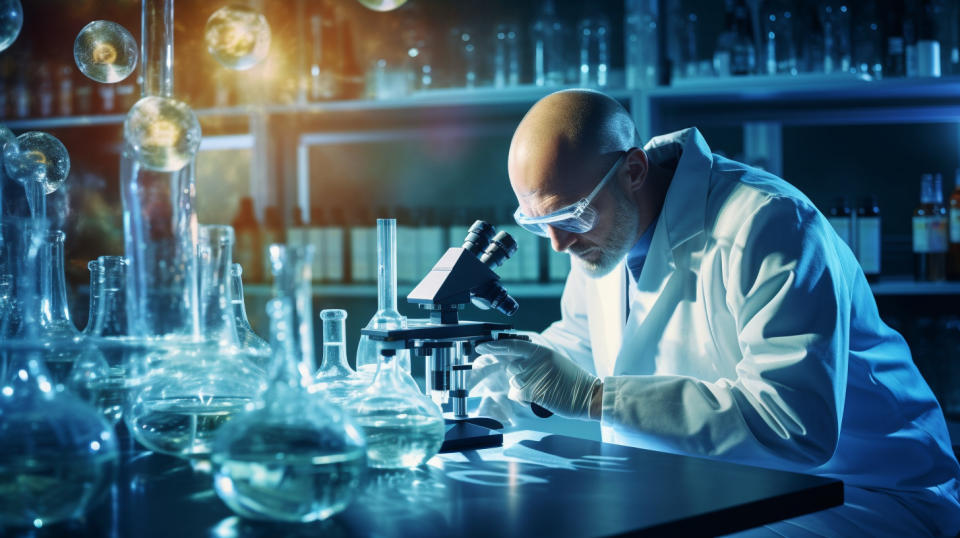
(315, 238)
(937, 229)
(921, 235)
(843, 227)
(363, 257)
(955, 224)
(332, 253)
(868, 244)
(408, 254)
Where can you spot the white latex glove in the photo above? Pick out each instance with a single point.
(489, 381)
(542, 376)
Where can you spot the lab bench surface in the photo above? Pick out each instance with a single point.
(536, 485)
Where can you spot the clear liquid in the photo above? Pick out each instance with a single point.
(182, 426)
(291, 479)
(43, 490)
(400, 440)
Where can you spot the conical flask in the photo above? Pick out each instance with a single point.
(59, 455)
(403, 427)
(293, 457)
(249, 340)
(335, 379)
(182, 392)
(387, 316)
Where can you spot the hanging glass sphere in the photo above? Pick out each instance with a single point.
(164, 133)
(237, 37)
(105, 51)
(11, 21)
(383, 5)
(37, 156)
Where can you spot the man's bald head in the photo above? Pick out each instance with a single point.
(566, 137)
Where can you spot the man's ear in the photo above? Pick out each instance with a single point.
(637, 168)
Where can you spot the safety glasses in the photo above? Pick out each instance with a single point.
(577, 218)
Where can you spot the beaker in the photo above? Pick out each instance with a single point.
(403, 427)
(249, 340)
(182, 391)
(58, 455)
(293, 457)
(335, 379)
(387, 316)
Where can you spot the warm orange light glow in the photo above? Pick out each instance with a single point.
(104, 53)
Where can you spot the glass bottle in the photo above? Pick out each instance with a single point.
(506, 58)
(724, 48)
(549, 61)
(62, 339)
(743, 51)
(59, 455)
(249, 340)
(403, 428)
(335, 379)
(184, 391)
(953, 256)
(293, 457)
(594, 53)
(640, 37)
(387, 316)
(929, 232)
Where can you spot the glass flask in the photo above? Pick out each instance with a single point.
(249, 340)
(105, 51)
(293, 457)
(548, 36)
(183, 390)
(237, 36)
(40, 162)
(402, 426)
(335, 379)
(59, 455)
(387, 316)
(11, 21)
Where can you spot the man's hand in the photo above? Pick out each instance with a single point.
(540, 375)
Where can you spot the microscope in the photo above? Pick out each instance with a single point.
(447, 343)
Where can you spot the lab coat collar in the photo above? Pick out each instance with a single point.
(684, 208)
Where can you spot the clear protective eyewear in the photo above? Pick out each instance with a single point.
(577, 218)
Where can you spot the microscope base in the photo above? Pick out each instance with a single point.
(471, 434)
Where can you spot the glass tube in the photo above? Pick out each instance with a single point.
(387, 316)
(292, 275)
(249, 340)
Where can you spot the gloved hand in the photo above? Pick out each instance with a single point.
(540, 375)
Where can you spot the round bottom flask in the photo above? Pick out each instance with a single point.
(403, 427)
(294, 457)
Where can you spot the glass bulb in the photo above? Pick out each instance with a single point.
(105, 51)
(11, 21)
(163, 133)
(238, 37)
(39, 157)
(382, 5)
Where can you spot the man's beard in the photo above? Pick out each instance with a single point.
(600, 258)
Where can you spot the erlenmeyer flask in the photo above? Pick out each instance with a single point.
(60, 335)
(58, 455)
(403, 427)
(249, 340)
(182, 392)
(387, 316)
(335, 380)
(293, 457)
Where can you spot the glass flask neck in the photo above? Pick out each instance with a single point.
(291, 267)
(236, 295)
(23, 375)
(334, 361)
(389, 373)
(286, 370)
(107, 307)
(54, 311)
(387, 315)
(156, 46)
(215, 253)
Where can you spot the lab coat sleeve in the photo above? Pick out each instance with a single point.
(570, 335)
(783, 286)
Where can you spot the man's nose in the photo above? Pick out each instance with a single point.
(560, 240)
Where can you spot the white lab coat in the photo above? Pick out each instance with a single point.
(754, 337)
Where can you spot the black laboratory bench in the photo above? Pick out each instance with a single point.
(536, 485)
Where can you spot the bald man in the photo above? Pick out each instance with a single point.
(711, 310)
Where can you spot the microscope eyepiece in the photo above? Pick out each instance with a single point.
(478, 237)
(500, 249)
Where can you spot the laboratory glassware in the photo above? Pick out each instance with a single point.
(743, 50)
(640, 40)
(40, 163)
(835, 18)
(59, 455)
(387, 315)
(11, 21)
(105, 51)
(402, 426)
(594, 40)
(249, 340)
(237, 36)
(183, 391)
(335, 379)
(548, 37)
(293, 457)
(506, 57)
